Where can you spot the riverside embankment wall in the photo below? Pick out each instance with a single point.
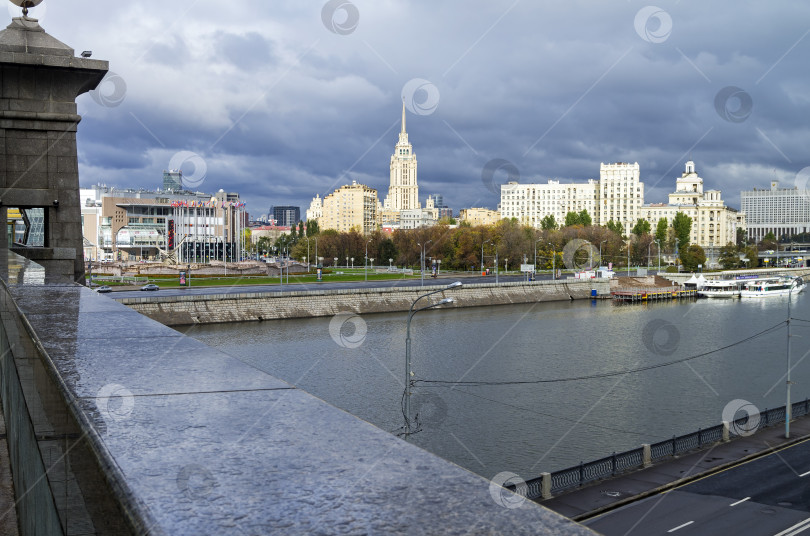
(221, 308)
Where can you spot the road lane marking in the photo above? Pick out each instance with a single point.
(801, 526)
(804, 474)
(680, 526)
(740, 501)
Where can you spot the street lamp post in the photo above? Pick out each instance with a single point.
(658, 243)
(439, 268)
(628, 257)
(422, 260)
(788, 408)
(648, 255)
(365, 263)
(535, 254)
(600, 251)
(408, 372)
(482, 254)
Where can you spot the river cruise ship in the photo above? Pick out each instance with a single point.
(772, 286)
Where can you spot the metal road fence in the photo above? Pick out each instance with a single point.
(615, 464)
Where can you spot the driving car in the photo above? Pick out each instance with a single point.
(150, 286)
(104, 288)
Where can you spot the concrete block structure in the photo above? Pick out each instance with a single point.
(40, 78)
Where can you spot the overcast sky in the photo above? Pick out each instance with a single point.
(282, 100)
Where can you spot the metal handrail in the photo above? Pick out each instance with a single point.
(621, 462)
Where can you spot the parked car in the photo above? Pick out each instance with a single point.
(150, 286)
(104, 288)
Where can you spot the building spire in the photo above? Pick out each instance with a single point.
(403, 115)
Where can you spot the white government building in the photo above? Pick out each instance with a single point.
(618, 195)
(781, 211)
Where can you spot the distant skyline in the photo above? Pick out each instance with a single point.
(281, 102)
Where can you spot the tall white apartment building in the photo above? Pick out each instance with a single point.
(350, 207)
(530, 203)
(621, 194)
(781, 211)
(403, 192)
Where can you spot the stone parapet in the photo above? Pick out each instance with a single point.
(221, 308)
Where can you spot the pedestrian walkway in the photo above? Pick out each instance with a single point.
(8, 509)
(603, 495)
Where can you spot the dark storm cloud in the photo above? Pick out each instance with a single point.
(282, 108)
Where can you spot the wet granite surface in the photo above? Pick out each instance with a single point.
(210, 445)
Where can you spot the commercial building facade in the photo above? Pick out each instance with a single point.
(124, 224)
(286, 216)
(479, 216)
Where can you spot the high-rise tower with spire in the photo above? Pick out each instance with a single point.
(403, 192)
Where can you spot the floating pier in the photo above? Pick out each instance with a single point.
(633, 295)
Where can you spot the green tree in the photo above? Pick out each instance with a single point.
(312, 227)
(682, 224)
(661, 230)
(615, 226)
(742, 236)
(388, 250)
(729, 258)
(641, 227)
(301, 229)
(548, 223)
(752, 254)
(692, 256)
(572, 218)
(585, 218)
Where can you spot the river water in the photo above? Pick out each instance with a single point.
(358, 364)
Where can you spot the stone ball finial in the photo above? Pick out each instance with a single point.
(25, 4)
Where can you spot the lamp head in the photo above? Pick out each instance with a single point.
(455, 284)
(446, 301)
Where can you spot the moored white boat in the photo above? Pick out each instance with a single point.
(720, 288)
(772, 286)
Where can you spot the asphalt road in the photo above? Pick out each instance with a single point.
(767, 496)
(197, 291)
